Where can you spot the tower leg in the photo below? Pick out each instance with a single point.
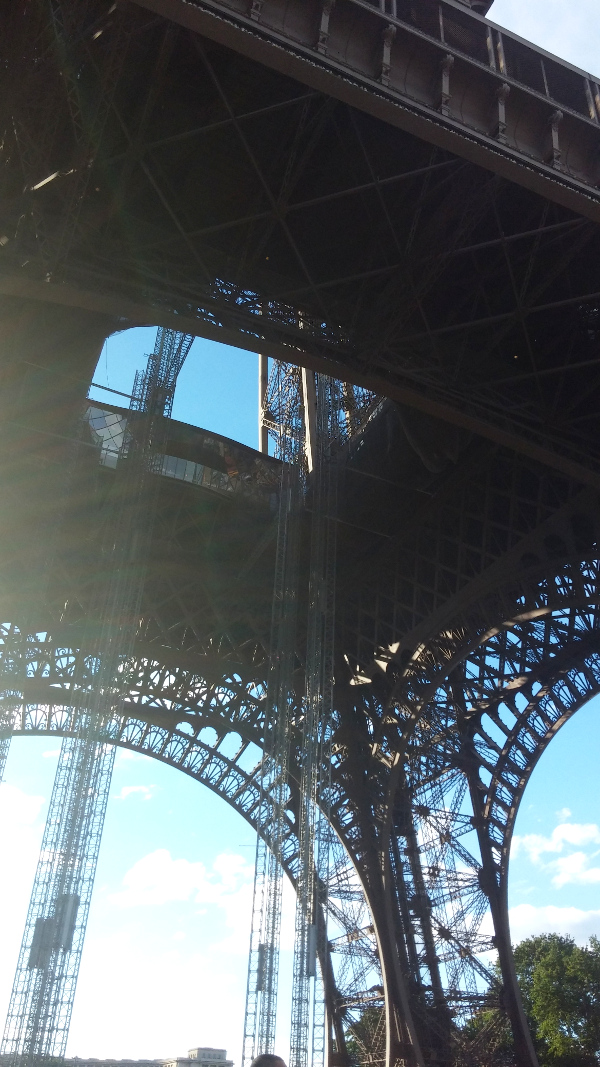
(525, 1054)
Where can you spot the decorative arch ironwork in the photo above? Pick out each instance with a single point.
(211, 728)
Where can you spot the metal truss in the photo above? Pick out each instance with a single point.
(39, 1014)
(215, 736)
(344, 273)
(437, 860)
(41, 1004)
(463, 641)
(282, 406)
(154, 387)
(4, 748)
(444, 266)
(308, 1039)
(458, 702)
(263, 963)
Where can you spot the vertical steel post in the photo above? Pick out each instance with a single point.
(263, 964)
(263, 381)
(308, 1034)
(42, 997)
(4, 750)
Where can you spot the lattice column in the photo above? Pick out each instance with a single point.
(263, 965)
(41, 1004)
(308, 1035)
(4, 750)
(42, 998)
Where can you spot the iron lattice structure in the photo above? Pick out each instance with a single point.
(402, 196)
(41, 1005)
(308, 1038)
(42, 997)
(282, 708)
(308, 424)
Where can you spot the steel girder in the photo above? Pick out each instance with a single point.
(441, 850)
(467, 588)
(467, 615)
(436, 732)
(325, 232)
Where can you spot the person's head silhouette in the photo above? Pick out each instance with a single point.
(268, 1059)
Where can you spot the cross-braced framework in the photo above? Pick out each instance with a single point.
(430, 750)
(308, 425)
(41, 1004)
(308, 1038)
(263, 964)
(4, 748)
(312, 204)
(437, 659)
(451, 865)
(412, 205)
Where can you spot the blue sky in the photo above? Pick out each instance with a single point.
(164, 966)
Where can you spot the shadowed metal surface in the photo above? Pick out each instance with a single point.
(325, 188)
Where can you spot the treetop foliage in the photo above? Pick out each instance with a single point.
(560, 986)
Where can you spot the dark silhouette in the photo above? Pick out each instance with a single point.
(268, 1059)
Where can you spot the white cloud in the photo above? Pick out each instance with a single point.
(130, 790)
(125, 755)
(17, 809)
(51, 753)
(535, 845)
(574, 867)
(527, 921)
(564, 814)
(574, 870)
(159, 1002)
(176, 996)
(158, 879)
(190, 990)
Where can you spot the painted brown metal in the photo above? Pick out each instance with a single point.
(280, 194)
(445, 75)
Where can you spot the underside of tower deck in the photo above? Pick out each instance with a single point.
(403, 196)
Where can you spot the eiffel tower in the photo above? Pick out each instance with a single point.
(404, 197)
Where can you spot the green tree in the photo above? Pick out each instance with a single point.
(365, 1038)
(560, 986)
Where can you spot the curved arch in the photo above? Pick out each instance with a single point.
(200, 761)
(533, 595)
(507, 648)
(164, 715)
(169, 723)
(549, 701)
(528, 647)
(348, 907)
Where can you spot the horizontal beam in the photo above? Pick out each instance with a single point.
(425, 85)
(133, 314)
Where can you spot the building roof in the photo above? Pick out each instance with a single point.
(480, 6)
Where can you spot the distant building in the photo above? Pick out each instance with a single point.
(210, 1055)
(196, 1057)
(84, 1061)
(206, 1057)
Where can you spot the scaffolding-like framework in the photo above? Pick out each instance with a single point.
(307, 419)
(308, 1034)
(452, 263)
(263, 965)
(41, 1003)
